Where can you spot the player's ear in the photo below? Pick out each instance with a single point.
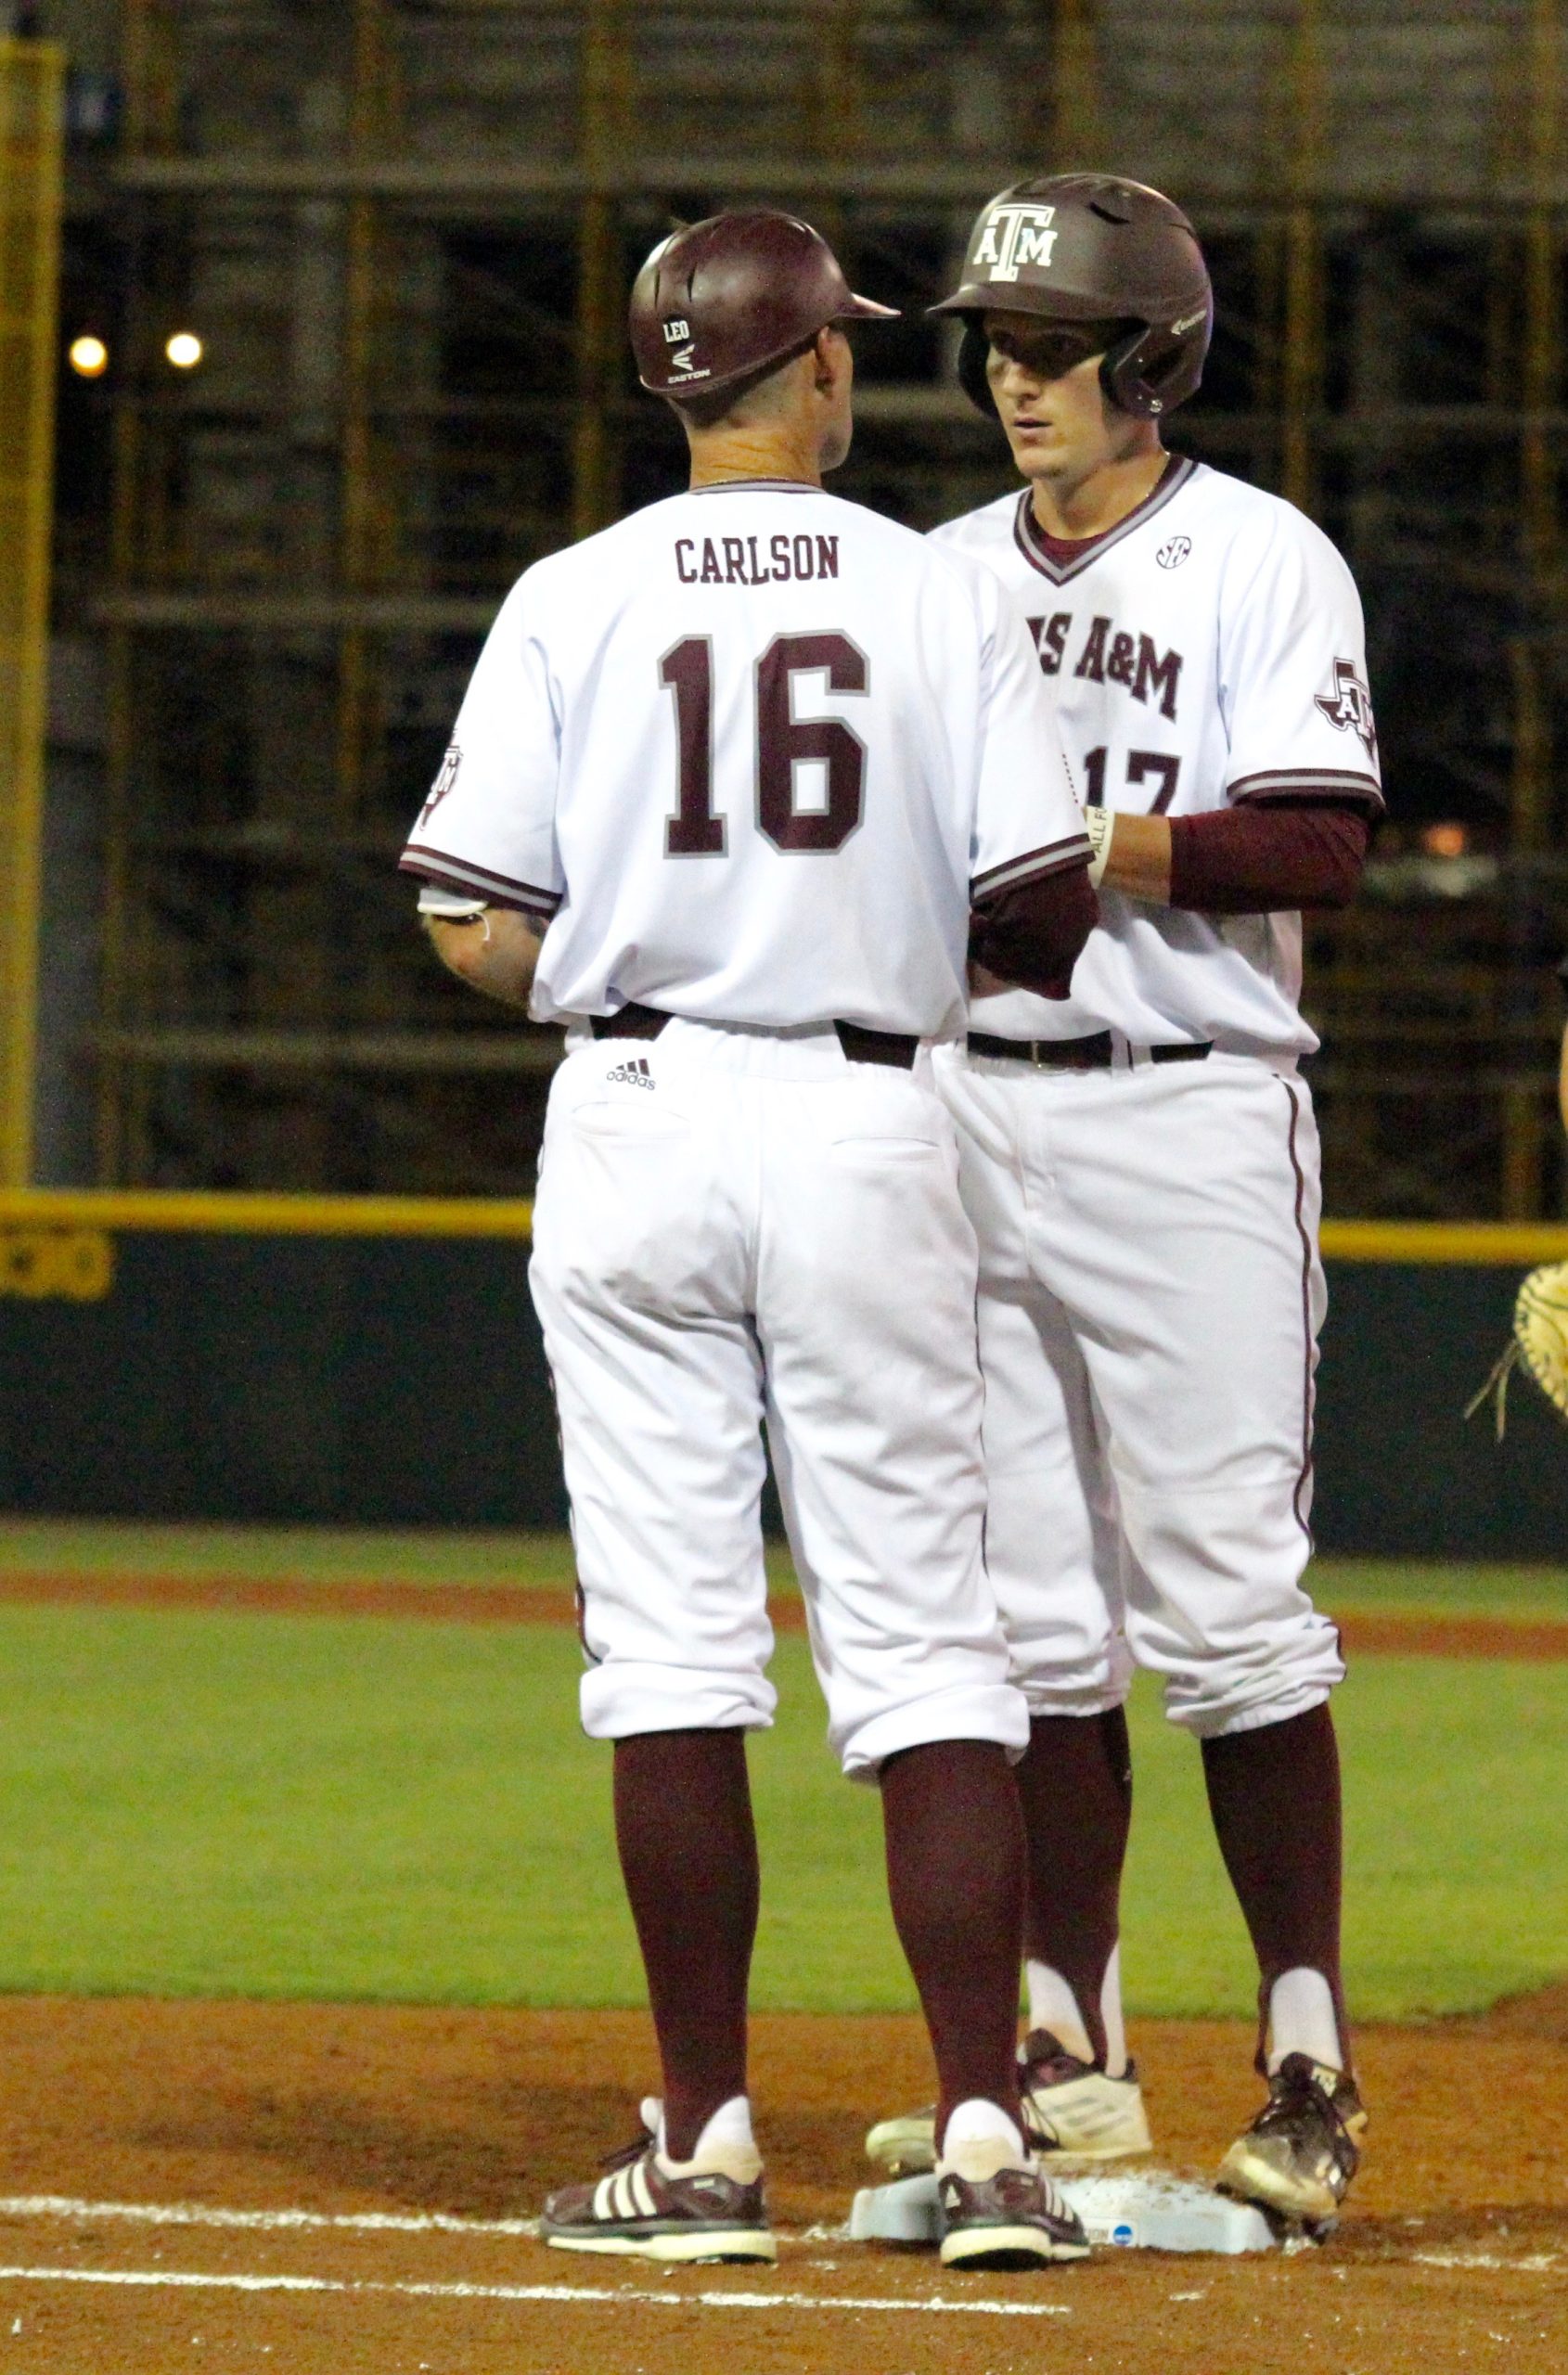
(831, 357)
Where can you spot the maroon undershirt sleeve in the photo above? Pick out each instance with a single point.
(1259, 860)
(1033, 934)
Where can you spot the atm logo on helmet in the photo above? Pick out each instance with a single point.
(1013, 236)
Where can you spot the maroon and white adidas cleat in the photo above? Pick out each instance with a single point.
(646, 2207)
(1014, 2218)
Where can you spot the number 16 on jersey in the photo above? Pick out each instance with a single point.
(783, 741)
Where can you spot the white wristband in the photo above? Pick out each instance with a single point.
(450, 906)
(1099, 824)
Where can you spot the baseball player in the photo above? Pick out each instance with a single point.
(725, 787)
(1142, 1164)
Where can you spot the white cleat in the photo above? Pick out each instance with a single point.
(1072, 2111)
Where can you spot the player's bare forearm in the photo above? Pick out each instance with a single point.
(1139, 862)
(495, 955)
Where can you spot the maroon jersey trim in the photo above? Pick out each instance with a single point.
(1347, 787)
(1054, 858)
(1031, 540)
(457, 874)
(1304, 1477)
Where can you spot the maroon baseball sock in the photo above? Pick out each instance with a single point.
(1075, 1783)
(1275, 1797)
(689, 1856)
(956, 1877)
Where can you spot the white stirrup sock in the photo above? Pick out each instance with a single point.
(1301, 2019)
(1053, 2006)
(1111, 2016)
(979, 2138)
(727, 2138)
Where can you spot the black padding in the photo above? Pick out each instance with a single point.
(974, 349)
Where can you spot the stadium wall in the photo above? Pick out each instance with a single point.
(376, 1361)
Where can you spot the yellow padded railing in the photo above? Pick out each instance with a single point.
(31, 93)
(1505, 1244)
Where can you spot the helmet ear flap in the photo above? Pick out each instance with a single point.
(974, 351)
(1123, 373)
(1153, 369)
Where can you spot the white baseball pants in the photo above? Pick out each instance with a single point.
(735, 1227)
(1151, 1298)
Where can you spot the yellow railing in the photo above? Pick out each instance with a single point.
(32, 88)
(245, 1216)
(1509, 1244)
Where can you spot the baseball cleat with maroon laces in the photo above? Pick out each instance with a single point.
(647, 2206)
(1300, 2152)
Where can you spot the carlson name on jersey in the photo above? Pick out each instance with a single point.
(800, 559)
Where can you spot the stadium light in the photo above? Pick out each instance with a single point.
(184, 349)
(88, 357)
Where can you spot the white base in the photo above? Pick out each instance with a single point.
(1145, 2211)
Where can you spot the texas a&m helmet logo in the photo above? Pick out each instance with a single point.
(1349, 706)
(1012, 235)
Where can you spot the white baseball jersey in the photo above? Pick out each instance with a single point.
(1207, 649)
(748, 753)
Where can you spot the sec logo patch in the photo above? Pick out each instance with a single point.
(1172, 555)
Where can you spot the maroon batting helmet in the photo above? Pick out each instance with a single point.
(720, 301)
(1092, 247)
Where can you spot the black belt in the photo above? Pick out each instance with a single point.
(860, 1045)
(1091, 1055)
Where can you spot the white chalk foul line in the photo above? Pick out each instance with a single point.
(190, 2213)
(1532, 2264)
(172, 2281)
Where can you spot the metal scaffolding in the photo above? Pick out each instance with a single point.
(31, 84)
(416, 383)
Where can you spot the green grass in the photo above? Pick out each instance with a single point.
(298, 1554)
(325, 1554)
(1393, 1586)
(283, 1554)
(307, 1806)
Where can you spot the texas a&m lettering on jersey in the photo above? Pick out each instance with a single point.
(1206, 651)
(1111, 656)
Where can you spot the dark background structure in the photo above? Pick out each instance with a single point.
(404, 231)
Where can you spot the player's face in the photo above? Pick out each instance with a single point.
(1045, 380)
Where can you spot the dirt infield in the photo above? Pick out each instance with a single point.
(338, 2144)
(1394, 1633)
